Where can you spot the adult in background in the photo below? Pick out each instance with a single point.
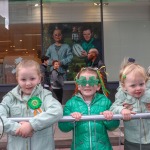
(59, 51)
(95, 62)
(89, 42)
(45, 74)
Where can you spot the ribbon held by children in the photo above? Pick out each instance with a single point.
(35, 103)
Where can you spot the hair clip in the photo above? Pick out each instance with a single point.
(131, 60)
(123, 76)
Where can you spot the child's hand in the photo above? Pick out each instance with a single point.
(148, 106)
(107, 114)
(128, 106)
(126, 113)
(76, 115)
(25, 130)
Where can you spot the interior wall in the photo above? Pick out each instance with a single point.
(70, 12)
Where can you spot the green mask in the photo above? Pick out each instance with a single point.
(91, 82)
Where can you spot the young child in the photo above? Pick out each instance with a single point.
(87, 101)
(57, 81)
(59, 51)
(133, 97)
(29, 99)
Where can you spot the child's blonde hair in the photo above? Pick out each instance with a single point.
(127, 67)
(28, 63)
(148, 72)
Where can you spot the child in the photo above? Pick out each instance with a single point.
(57, 81)
(134, 95)
(29, 99)
(45, 74)
(59, 51)
(87, 101)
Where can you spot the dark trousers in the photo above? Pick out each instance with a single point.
(58, 94)
(135, 146)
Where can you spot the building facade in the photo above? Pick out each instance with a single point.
(121, 26)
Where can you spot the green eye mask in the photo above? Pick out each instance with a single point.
(91, 82)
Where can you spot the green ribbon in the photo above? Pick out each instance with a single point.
(91, 82)
(34, 103)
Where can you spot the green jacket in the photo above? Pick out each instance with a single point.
(89, 135)
(13, 105)
(135, 130)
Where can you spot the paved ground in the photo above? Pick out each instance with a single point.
(114, 148)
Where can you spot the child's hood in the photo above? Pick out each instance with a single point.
(16, 92)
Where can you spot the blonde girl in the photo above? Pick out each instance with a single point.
(29, 99)
(132, 98)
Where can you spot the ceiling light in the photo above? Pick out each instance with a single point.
(32, 34)
(20, 49)
(5, 41)
(36, 5)
(98, 4)
(105, 4)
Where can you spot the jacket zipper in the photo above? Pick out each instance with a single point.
(90, 128)
(139, 103)
(28, 141)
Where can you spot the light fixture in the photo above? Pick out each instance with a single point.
(98, 4)
(36, 5)
(8, 41)
(20, 49)
(32, 34)
(105, 4)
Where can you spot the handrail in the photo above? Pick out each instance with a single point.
(91, 117)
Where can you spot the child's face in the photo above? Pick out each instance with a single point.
(56, 65)
(27, 79)
(57, 36)
(88, 91)
(134, 85)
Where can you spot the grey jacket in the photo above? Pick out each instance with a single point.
(136, 130)
(13, 105)
(57, 81)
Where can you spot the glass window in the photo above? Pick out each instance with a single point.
(20, 28)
